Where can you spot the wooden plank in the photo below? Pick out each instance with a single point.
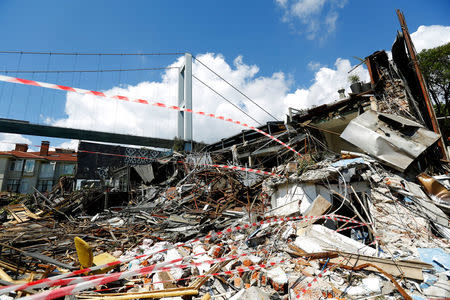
(5, 276)
(408, 269)
(319, 206)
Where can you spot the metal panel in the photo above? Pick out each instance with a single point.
(392, 139)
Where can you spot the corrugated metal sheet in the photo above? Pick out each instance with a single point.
(394, 140)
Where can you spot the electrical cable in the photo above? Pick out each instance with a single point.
(235, 88)
(225, 98)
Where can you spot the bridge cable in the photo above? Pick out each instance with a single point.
(2, 88)
(88, 71)
(235, 88)
(225, 99)
(43, 92)
(13, 90)
(117, 101)
(28, 99)
(81, 53)
(53, 98)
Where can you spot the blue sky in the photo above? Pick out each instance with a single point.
(294, 38)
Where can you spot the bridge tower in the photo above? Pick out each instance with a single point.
(185, 131)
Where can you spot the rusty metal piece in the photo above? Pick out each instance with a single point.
(426, 96)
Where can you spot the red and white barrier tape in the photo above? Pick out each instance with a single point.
(238, 168)
(304, 291)
(350, 227)
(76, 280)
(71, 289)
(256, 171)
(142, 101)
(43, 282)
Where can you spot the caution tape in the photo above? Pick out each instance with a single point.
(142, 101)
(76, 280)
(304, 291)
(228, 167)
(71, 289)
(43, 282)
(236, 168)
(350, 227)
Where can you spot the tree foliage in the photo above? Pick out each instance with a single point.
(435, 67)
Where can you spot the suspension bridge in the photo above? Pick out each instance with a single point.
(10, 123)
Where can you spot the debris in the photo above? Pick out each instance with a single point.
(394, 140)
(436, 190)
(362, 213)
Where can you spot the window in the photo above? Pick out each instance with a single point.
(29, 166)
(47, 170)
(24, 186)
(16, 165)
(45, 185)
(12, 185)
(68, 169)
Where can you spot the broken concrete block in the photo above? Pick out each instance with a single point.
(307, 244)
(278, 278)
(254, 293)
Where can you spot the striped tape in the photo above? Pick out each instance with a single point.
(142, 101)
(71, 289)
(44, 282)
(309, 285)
(236, 168)
(76, 280)
(350, 227)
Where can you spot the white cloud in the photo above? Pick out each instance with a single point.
(87, 112)
(71, 144)
(314, 65)
(282, 2)
(427, 37)
(271, 92)
(8, 141)
(327, 81)
(317, 17)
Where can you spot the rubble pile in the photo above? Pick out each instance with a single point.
(362, 213)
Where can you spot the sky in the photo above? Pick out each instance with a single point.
(280, 53)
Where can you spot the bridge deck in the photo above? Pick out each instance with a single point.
(24, 127)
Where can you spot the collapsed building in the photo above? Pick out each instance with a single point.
(359, 210)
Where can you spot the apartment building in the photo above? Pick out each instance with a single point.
(21, 171)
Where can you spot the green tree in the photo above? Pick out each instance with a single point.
(435, 67)
(178, 144)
